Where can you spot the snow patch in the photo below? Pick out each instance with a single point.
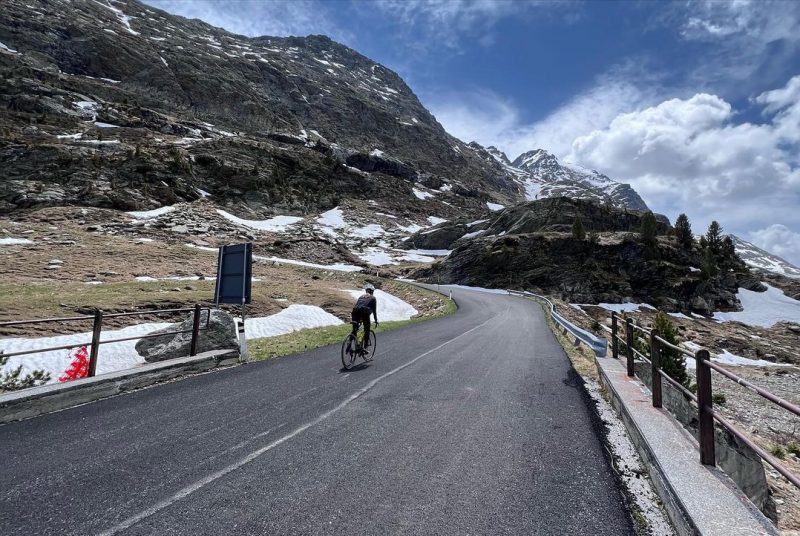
(494, 206)
(436, 221)
(333, 218)
(390, 307)
(372, 230)
(277, 224)
(763, 309)
(421, 195)
(149, 214)
(293, 318)
(14, 241)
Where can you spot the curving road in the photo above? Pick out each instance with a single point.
(468, 424)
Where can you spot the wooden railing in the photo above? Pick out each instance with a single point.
(97, 327)
(704, 398)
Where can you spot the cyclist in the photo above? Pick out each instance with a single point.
(365, 304)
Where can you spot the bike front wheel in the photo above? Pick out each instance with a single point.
(369, 353)
(349, 351)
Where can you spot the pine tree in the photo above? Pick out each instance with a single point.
(709, 267)
(714, 238)
(578, 232)
(683, 231)
(13, 380)
(728, 252)
(673, 363)
(649, 229)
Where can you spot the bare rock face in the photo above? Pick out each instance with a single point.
(126, 106)
(220, 335)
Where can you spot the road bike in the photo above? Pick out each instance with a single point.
(352, 348)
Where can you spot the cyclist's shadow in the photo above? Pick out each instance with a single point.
(356, 368)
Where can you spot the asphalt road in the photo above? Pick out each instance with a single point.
(468, 424)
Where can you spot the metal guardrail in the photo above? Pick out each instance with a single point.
(704, 398)
(97, 327)
(599, 345)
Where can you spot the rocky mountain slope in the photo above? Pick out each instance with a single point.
(530, 246)
(761, 260)
(115, 104)
(541, 175)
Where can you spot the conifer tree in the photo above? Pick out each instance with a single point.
(683, 231)
(648, 229)
(714, 238)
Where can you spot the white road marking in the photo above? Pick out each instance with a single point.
(188, 490)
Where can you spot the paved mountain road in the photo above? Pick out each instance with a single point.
(468, 424)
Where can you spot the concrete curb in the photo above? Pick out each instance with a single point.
(36, 401)
(698, 499)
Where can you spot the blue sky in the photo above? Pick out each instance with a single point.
(695, 104)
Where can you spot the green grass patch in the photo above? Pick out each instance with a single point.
(309, 339)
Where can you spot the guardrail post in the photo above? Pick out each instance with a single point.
(655, 362)
(629, 344)
(705, 416)
(614, 333)
(195, 330)
(95, 349)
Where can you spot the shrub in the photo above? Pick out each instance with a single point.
(778, 451)
(718, 398)
(673, 362)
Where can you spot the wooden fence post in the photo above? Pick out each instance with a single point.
(705, 408)
(95, 350)
(614, 333)
(195, 330)
(655, 368)
(629, 344)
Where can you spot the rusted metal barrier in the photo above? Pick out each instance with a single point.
(705, 396)
(97, 328)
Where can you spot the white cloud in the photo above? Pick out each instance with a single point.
(688, 155)
(744, 42)
(447, 22)
(256, 18)
(490, 119)
(779, 240)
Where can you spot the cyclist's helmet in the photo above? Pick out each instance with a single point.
(369, 288)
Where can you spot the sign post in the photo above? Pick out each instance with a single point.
(234, 282)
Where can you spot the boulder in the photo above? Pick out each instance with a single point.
(220, 335)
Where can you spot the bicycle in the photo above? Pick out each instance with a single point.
(352, 348)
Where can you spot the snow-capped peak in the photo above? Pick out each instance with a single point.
(756, 257)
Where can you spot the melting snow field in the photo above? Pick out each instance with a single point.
(390, 307)
(276, 225)
(149, 214)
(763, 309)
(293, 318)
(727, 358)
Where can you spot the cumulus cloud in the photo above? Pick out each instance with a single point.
(779, 240)
(490, 119)
(688, 155)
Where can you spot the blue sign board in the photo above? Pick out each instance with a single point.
(234, 274)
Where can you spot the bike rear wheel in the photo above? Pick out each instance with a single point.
(349, 351)
(369, 352)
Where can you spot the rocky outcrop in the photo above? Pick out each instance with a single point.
(444, 235)
(531, 247)
(220, 335)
